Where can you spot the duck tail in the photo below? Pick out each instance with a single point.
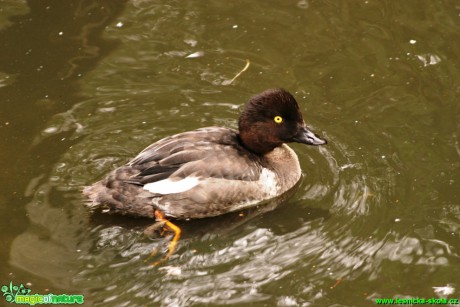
(92, 193)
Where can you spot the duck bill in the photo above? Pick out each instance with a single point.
(306, 136)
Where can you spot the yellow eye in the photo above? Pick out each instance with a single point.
(278, 119)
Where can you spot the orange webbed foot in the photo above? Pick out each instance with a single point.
(161, 221)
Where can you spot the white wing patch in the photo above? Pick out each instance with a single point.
(168, 186)
(268, 180)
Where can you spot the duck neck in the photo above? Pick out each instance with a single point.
(256, 143)
(284, 162)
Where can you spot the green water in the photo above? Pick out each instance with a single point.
(86, 85)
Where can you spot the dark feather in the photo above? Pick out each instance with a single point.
(207, 152)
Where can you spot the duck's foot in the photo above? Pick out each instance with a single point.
(165, 225)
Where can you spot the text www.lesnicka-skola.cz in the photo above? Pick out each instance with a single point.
(416, 300)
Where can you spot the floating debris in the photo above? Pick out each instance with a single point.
(191, 42)
(228, 82)
(428, 59)
(197, 54)
(446, 290)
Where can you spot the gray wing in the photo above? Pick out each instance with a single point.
(206, 152)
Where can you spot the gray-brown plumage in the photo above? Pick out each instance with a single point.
(214, 170)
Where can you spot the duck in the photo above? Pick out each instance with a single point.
(211, 171)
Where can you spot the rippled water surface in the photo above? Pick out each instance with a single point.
(84, 86)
